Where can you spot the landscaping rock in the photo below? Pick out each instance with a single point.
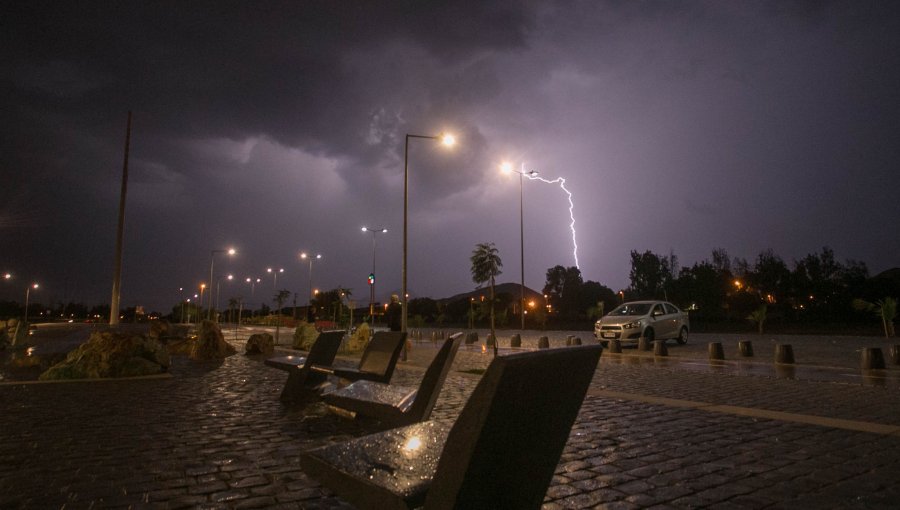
(112, 354)
(210, 343)
(160, 330)
(304, 336)
(260, 343)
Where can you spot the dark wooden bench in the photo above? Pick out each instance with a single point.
(303, 382)
(377, 363)
(396, 405)
(501, 452)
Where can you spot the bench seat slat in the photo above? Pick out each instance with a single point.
(391, 469)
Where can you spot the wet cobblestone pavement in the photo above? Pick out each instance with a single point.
(649, 435)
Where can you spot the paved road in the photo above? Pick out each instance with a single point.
(649, 435)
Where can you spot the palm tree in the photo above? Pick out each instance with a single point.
(486, 266)
(886, 309)
(759, 317)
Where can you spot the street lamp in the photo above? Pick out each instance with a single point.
(374, 232)
(27, 295)
(309, 257)
(181, 291)
(447, 140)
(200, 303)
(274, 273)
(507, 168)
(218, 286)
(252, 282)
(212, 258)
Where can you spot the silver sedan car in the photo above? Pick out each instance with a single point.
(654, 320)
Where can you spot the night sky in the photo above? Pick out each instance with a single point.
(279, 127)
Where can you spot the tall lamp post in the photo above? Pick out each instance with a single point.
(447, 140)
(181, 291)
(212, 258)
(507, 168)
(200, 303)
(310, 257)
(274, 273)
(218, 287)
(375, 232)
(28, 295)
(252, 282)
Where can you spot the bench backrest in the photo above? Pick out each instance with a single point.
(325, 348)
(382, 353)
(505, 446)
(434, 378)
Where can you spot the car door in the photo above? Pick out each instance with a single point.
(673, 318)
(658, 315)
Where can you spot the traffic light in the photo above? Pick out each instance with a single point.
(371, 278)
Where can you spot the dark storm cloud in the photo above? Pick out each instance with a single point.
(279, 127)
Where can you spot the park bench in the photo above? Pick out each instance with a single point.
(395, 405)
(501, 452)
(302, 381)
(377, 363)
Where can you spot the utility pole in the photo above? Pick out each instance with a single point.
(120, 234)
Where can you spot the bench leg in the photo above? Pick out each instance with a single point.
(301, 386)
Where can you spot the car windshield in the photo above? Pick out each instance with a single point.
(631, 309)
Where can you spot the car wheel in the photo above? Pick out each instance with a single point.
(648, 334)
(683, 336)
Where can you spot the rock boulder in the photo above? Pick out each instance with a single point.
(260, 343)
(210, 343)
(111, 354)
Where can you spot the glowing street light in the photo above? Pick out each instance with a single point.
(310, 257)
(252, 282)
(374, 232)
(218, 286)
(200, 303)
(447, 140)
(212, 258)
(274, 273)
(28, 295)
(508, 168)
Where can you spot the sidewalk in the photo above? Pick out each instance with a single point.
(215, 436)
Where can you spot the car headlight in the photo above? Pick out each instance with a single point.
(632, 325)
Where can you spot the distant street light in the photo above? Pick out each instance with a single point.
(309, 257)
(200, 303)
(181, 291)
(212, 258)
(447, 140)
(507, 168)
(374, 232)
(252, 282)
(28, 295)
(218, 285)
(274, 273)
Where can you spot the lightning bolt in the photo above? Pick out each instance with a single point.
(562, 184)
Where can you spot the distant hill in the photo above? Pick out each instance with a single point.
(514, 289)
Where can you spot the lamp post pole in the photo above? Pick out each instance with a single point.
(374, 232)
(218, 287)
(212, 258)
(506, 167)
(27, 296)
(447, 140)
(309, 257)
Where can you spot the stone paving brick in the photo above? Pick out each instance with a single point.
(216, 425)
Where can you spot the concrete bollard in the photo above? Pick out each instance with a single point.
(515, 340)
(895, 354)
(659, 348)
(543, 343)
(490, 340)
(615, 346)
(784, 353)
(472, 338)
(716, 351)
(434, 337)
(576, 340)
(745, 347)
(569, 339)
(872, 358)
(643, 344)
